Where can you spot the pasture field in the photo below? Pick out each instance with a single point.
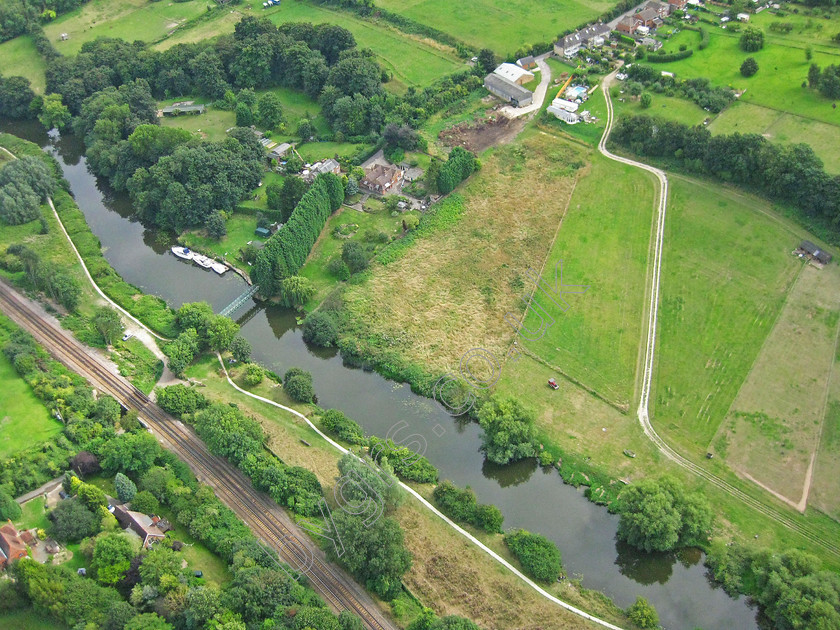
(127, 19)
(776, 85)
(602, 242)
(784, 128)
(668, 107)
(411, 60)
(503, 26)
(19, 57)
(24, 421)
(450, 290)
(726, 272)
(811, 26)
(774, 425)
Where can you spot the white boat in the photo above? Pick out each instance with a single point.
(183, 252)
(219, 268)
(203, 261)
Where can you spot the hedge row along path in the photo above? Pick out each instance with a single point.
(650, 347)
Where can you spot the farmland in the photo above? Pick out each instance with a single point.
(726, 272)
(774, 424)
(596, 341)
(501, 26)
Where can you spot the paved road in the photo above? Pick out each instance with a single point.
(539, 93)
(650, 349)
(265, 518)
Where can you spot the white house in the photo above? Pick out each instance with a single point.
(568, 117)
(569, 106)
(514, 73)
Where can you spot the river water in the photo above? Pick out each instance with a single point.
(528, 496)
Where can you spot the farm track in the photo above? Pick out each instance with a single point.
(258, 511)
(650, 346)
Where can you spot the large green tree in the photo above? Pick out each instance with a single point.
(112, 554)
(508, 429)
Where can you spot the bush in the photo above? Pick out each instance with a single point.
(253, 375)
(749, 67)
(643, 614)
(339, 269)
(240, 348)
(298, 385)
(320, 329)
(406, 463)
(354, 257)
(538, 556)
(462, 505)
(144, 501)
(335, 422)
(685, 54)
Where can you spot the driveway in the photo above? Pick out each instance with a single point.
(539, 93)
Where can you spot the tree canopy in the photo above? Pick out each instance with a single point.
(508, 430)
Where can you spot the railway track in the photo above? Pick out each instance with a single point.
(270, 524)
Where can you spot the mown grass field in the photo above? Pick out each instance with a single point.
(449, 291)
(778, 82)
(774, 425)
(726, 272)
(127, 19)
(24, 421)
(602, 242)
(33, 514)
(19, 57)
(211, 125)
(503, 26)
(783, 128)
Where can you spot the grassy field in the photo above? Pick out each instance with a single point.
(27, 620)
(24, 421)
(602, 242)
(19, 57)
(137, 363)
(778, 83)
(782, 127)
(503, 26)
(33, 515)
(825, 490)
(240, 230)
(126, 19)
(668, 107)
(773, 427)
(449, 291)
(328, 246)
(726, 272)
(212, 124)
(316, 151)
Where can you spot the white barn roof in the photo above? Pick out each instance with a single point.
(512, 72)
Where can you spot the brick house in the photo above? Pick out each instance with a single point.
(382, 177)
(12, 546)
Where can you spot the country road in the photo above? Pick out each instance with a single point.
(265, 518)
(650, 350)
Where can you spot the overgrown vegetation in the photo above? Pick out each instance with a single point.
(462, 505)
(539, 557)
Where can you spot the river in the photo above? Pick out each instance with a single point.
(528, 496)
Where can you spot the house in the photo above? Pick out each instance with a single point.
(743, 17)
(627, 25)
(508, 91)
(812, 251)
(178, 108)
(527, 62)
(662, 9)
(382, 177)
(327, 166)
(280, 151)
(678, 5)
(649, 17)
(593, 35)
(12, 546)
(514, 73)
(150, 528)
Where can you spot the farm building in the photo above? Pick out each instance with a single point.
(182, 108)
(280, 151)
(527, 62)
(814, 253)
(593, 35)
(382, 177)
(508, 91)
(514, 73)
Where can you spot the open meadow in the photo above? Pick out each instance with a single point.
(502, 26)
(19, 57)
(450, 291)
(773, 427)
(727, 269)
(602, 242)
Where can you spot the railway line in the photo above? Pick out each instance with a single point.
(268, 522)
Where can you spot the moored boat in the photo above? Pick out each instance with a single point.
(203, 261)
(219, 268)
(183, 252)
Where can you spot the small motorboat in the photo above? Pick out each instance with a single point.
(203, 261)
(219, 268)
(183, 252)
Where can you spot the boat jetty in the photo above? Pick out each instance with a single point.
(184, 253)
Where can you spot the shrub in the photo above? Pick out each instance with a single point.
(538, 556)
(320, 329)
(749, 67)
(298, 385)
(144, 501)
(643, 614)
(354, 257)
(339, 269)
(462, 505)
(335, 422)
(406, 463)
(253, 375)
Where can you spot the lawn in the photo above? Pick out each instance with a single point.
(779, 410)
(411, 60)
(603, 243)
(240, 230)
(126, 19)
(668, 107)
(212, 124)
(329, 244)
(24, 421)
(778, 83)
(19, 57)
(449, 291)
(501, 25)
(726, 272)
(27, 620)
(316, 151)
(34, 515)
(784, 128)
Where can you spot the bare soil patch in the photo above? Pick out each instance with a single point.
(494, 130)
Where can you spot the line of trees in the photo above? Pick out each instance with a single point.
(826, 80)
(459, 166)
(286, 251)
(786, 173)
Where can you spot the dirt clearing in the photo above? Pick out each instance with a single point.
(494, 130)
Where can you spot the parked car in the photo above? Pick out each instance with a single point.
(127, 336)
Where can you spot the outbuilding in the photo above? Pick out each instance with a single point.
(508, 91)
(514, 73)
(814, 252)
